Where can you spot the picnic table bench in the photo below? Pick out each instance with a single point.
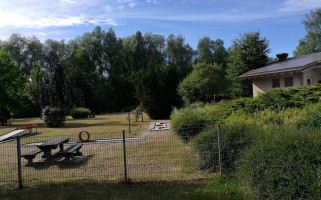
(69, 153)
(52, 144)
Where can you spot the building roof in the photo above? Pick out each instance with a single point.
(295, 64)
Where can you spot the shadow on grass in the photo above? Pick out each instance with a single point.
(200, 189)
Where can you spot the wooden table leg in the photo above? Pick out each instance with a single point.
(61, 147)
(46, 154)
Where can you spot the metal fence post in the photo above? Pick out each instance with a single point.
(219, 148)
(19, 163)
(125, 162)
(129, 123)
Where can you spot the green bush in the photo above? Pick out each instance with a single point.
(312, 117)
(78, 113)
(54, 117)
(236, 134)
(283, 163)
(190, 121)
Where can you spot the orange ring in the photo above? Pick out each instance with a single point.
(80, 136)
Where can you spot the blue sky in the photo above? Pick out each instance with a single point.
(277, 20)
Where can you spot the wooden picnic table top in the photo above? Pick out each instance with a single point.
(52, 144)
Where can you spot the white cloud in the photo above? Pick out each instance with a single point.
(42, 33)
(299, 5)
(108, 8)
(129, 3)
(152, 1)
(68, 1)
(132, 4)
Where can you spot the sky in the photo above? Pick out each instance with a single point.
(278, 20)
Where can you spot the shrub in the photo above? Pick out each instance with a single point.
(312, 117)
(189, 122)
(54, 116)
(283, 163)
(78, 113)
(236, 134)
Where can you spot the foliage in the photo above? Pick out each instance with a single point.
(283, 163)
(25, 51)
(12, 83)
(247, 53)
(179, 55)
(238, 133)
(312, 116)
(156, 90)
(36, 80)
(190, 121)
(211, 51)
(138, 111)
(312, 40)
(54, 116)
(204, 83)
(79, 113)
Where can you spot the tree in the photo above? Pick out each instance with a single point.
(210, 51)
(12, 82)
(57, 96)
(205, 83)
(24, 51)
(179, 55)
(312, 40)
(247, 53)
(156, 88)
(36, 80)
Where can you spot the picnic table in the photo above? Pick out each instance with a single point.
(52, 144)
(46, 148)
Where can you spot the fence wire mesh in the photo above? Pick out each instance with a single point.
(150, 156)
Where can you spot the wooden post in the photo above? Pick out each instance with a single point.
(129, 123)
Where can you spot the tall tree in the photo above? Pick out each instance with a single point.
(311, 43)
(36, 80)
(212, 51)
(12, 82)
(247, 53)
(205, 83)
(179, 55)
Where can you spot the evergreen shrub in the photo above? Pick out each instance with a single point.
(78, 113)
(283, 163)
(54, 117)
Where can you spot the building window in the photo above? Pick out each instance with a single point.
(288, 82)
(276, 83)
(308, 81)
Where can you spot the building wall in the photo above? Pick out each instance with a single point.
(264, 84)
(313, 74)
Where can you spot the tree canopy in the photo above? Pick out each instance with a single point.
(12, 83)
(311, 43)
(204, 83)
(248, 52)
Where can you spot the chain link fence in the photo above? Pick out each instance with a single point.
(112, 157)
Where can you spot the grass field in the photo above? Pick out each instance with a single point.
(159, 156)
(100, 124)
(218, 189)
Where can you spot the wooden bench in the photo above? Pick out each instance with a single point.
(31, 155)
(73, 150)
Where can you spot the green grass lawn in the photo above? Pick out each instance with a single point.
(162, 156)
(219, 188)
(100, 124)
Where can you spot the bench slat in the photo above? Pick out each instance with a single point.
(31, 154)
(70, 150)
